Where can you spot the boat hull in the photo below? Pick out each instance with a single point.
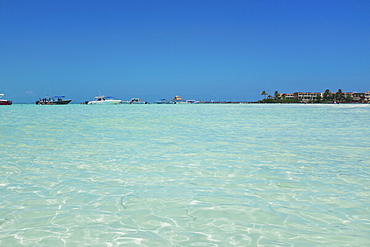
(164, 102)
(59, 102)
(104, 102)
(6, 102)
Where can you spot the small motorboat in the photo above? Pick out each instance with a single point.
(189, 101)
(103, 100)
(165, 101)
(5, 101)
(55, 100)
(134, 101)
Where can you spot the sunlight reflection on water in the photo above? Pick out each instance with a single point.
(185, 175)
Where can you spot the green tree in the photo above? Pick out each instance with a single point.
(348, 98)
(264, 93)
(277, 95)
(327, 95)
(339, 96)
(318, 98)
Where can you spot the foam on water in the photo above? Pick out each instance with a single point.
(185, 175)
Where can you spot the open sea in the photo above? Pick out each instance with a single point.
(185, 175)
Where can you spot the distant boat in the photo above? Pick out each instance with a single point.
(176, 100)
(165, 101)
(55, 100)
(134, 101)
(103, 100)
(190, 101)
(4, 101)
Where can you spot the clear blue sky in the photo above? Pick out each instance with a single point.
(201, 49)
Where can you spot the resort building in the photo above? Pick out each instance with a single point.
(302, 96)
(367, 96)
(289, 95)
(358, 97)
(305, 97)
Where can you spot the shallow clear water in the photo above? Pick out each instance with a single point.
(185, 175)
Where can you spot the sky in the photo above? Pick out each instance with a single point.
(198, 49)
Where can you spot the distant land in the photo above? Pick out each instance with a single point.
(296, 97)
(316, 97)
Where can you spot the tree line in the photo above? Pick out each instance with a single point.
(327, 97)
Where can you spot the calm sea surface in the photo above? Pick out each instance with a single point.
(185, 175)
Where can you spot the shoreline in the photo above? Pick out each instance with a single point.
(234, 102)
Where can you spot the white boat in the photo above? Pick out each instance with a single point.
(4, 101)
(191, 101)
(164, 101)
(103, 100)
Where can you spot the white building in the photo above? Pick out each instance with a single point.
(367, 96)
(308, 96)
(303, 96)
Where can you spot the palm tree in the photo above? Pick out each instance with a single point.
(327, 95)
(339, 95)
(277, 95)
(349, 98)
(264, 93)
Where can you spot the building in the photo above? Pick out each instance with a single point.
(305, 97)
(367, 96)
(358, 97)
(312, 97)
(288, 95)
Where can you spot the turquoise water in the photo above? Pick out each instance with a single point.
(185, 175)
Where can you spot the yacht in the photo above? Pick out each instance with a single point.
(103, 100)
(5, 101)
